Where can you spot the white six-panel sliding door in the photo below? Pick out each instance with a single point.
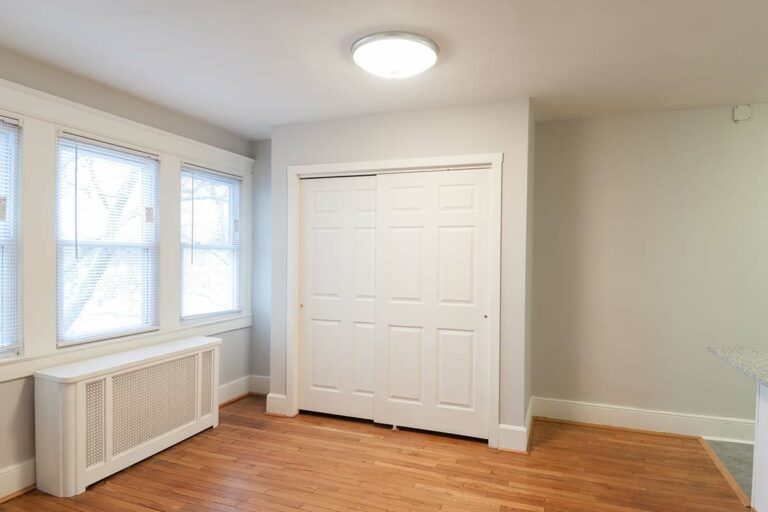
(395, 292)
(432, 266)
(338, 246)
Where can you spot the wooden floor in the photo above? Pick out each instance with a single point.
(318, 463)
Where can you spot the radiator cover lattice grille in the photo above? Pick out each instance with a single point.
(206, 400)
(152, 401)
(94, 423)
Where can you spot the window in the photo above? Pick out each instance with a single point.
(10, 340)
(107, 241)
(210, 243)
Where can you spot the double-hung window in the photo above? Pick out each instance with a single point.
(107, 236)
(10, 339)
(210, 243)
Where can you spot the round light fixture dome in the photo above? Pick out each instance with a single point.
(395, 54)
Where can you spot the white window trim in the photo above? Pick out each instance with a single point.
(43, 115)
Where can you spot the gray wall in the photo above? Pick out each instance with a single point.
(17, 421)
(17, 405)
(529, 259)
(42, 76)
(262, 254)
(650, 243)
(235, 355)
(485, 128)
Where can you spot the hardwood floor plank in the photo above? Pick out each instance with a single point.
(317, 463)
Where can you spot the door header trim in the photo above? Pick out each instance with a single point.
(440, 163)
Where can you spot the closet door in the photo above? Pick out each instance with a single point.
(336, 372)
(432, 289)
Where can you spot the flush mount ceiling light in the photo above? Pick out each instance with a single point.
(395, 54)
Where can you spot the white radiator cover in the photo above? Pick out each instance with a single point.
(96, 417)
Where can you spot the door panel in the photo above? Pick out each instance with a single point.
(363, 357)
(404, 365)
(364, 261)
(326, 246)
(455, 367)
(456, 267)
(406, 251)
(337, 295)
(432, 281)
(326, 338)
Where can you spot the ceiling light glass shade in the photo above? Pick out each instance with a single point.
(395, 54)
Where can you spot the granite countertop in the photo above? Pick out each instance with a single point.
(751, 361)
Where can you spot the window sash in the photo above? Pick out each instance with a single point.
(11, 342)
(235, 255)
(233, 236)
(141, 258)
(133, 237)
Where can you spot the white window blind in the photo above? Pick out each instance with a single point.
(107, 234)
(10, 339)
(210, 243)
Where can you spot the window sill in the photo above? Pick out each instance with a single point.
(209, 318)
(113, 336)
(24, 366)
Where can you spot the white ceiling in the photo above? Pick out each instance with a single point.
(250, 64)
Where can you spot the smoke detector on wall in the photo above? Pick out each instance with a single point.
(742, 113)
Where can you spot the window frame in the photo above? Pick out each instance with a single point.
(235, 245)
(14, 242)
(153, 248)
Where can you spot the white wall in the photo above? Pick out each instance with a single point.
(17, 423)
(262, 255)
(25, 70)
(487, 128)
(650, 243)
(529, 260)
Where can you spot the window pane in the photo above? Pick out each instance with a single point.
(107, 237)
(104, 289)
(111, 196)
(209, 281)
(10, 339)
(206, 205)
(210, 210)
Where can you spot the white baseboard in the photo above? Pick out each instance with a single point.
(279, 405)
(234, 389)
(16, 477)
(514, 437)
(258, 384)
(709, 427)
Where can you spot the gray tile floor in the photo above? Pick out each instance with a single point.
(737, 457)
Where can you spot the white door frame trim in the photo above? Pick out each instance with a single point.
(490, 161)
